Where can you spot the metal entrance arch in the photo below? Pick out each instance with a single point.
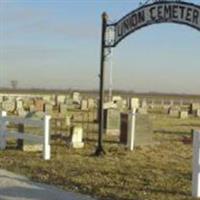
(179, 12)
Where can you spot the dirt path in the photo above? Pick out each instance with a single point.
(15, 187)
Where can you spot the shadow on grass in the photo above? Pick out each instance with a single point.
(105, 141)
(191, 124)
(178, 133)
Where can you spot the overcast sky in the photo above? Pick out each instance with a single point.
(56, 44)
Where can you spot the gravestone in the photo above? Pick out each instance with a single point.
(46, 98)
(144, 104)
(198, 113)
(194, 107)
(171, 102)
(60, 99)
(39, 105)
(173, 112)
(31, 146)
(116, 98)
(68, 121)
(152, 104)
(143, 129)
(109, 105)
(19, 104)
(125, 103)
(32, 108)
(91, 104)
(21, 112)
(112, 121)
(27, 102)
(84, 105)
(124, 118)
(183, 114)
(48, 108)
(8, 106)
(69, 103)
(77, 137)
(135, 103)
(78, 117)
(76, 97)
(120, 105)
(63, 108)
(27, 145)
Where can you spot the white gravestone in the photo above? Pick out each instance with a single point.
(198, 113)
(60, 99)
(135, 103)
(77, 137)
(183, 114)
(76, 97)
(84, 105)
(19, 104)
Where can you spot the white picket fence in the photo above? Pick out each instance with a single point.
(44, 124)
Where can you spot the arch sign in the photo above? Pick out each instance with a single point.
(160, 11)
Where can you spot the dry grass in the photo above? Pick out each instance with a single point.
(158, 172)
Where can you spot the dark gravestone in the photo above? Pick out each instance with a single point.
(123, 128)
(20, 142)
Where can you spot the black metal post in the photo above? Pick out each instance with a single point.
(100, 150)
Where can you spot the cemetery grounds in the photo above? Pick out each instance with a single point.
(160, 171)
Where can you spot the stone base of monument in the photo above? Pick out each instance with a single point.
(173, 112)
(77, 145)
(114, 132)
(32, 147)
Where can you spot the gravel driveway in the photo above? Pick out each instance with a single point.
(15, 187)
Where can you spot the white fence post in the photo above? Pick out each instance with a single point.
(3, 130)
(196, 165)
(46, 146)
(131, 130)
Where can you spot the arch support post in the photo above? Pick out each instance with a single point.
(100, 150)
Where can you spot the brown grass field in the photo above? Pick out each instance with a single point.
(162, 171)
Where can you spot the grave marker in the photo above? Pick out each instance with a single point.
(77, 137)
(143, 134)
(112, 121)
